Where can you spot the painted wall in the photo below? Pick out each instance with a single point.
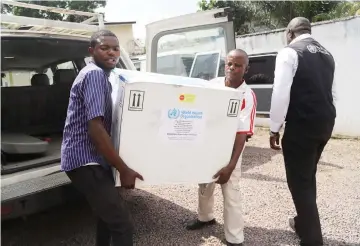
(124, 33)
(342, 39)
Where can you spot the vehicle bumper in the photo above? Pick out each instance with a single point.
(33, 195)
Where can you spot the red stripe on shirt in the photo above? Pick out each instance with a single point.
(243, 104)
(245, 132)
(252, 117)
(253, 113)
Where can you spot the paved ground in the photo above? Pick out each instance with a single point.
(161, 213)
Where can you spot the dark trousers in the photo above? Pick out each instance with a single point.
(114, 222)
(302, 147)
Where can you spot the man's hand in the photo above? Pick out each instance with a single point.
(128, 177)
(275, 141)
(224, 175)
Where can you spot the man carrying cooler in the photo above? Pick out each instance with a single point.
(236, 66)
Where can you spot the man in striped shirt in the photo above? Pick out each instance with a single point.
(237, 62)
(87, 150)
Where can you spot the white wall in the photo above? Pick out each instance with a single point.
(342, 39)
(124, 33)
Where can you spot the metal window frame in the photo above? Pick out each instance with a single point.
(206, 53)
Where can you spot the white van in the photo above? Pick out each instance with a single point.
(39, 66)
(173, 63)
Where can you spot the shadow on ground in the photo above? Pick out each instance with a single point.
(258, 236)
(158, 222)
(256, 156)
(161, 222)
(330, 165)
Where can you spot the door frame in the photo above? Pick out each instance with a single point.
(203, 20)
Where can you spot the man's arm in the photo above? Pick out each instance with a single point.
(237, 149)
(245, 127)
(94, 90)
(103, 144)
(285, 68)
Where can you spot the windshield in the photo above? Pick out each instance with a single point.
(181, 62)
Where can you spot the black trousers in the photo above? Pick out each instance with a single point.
(302, 146)
(114, 221)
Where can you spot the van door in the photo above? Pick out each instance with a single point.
(187, 35)
(260, 78)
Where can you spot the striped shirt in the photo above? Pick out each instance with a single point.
(90, 97)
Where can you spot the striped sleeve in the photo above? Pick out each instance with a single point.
(247, 113)
(94, 90)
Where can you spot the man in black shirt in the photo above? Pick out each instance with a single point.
(304, 98)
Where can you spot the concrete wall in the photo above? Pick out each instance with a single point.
(124, 32)
(342, 39)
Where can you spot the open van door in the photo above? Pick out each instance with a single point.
(189, 34)
(260, 78)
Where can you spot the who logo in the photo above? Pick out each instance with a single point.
(173, 113)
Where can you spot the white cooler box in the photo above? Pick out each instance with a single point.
(173, 130)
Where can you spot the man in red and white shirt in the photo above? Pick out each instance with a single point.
(236, 66)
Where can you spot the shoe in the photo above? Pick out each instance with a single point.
(234, 244)
(292, 224)
(197, 224)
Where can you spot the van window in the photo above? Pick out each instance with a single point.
(176, 52)
(222, 68)
(69, 65)
(205, 66)
(87, 59)
(261, 70)
(22, 77)
(175, 64)
(137, 65)
(65, 65)
(187, 61)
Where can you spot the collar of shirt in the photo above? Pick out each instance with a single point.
(243, 86)
(221, 80)
(301, 37)
(91, 61)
